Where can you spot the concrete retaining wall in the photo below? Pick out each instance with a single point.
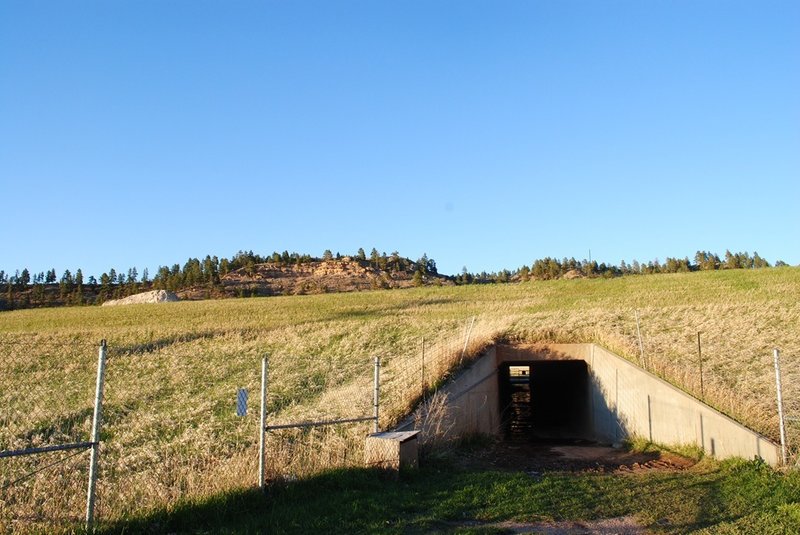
(626, 401)
(472, 404)
(630, 401)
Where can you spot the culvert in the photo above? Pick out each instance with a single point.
(545, 400)
(582, 392)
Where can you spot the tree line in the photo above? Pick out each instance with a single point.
(24, 289)
(552, 268)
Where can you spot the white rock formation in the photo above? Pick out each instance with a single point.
(156, 296)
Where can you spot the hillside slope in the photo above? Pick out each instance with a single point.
(325, 276)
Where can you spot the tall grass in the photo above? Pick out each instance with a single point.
(170, 429)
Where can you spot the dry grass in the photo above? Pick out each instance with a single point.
(170, 431)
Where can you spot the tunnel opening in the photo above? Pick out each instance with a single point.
(545, 400)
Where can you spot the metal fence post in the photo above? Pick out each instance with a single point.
(700, 358)
(641, 345)
(377, 395)
(98, 414)
(466, 340)
(423, 368)
(779, 389)
(262, 421)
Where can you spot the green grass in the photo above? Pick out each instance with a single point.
(170, 432)
(728, 497)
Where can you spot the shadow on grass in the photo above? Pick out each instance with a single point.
(354, 500)
(442, 498)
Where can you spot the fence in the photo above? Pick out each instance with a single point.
(316, 434)
(788, 418)
(334, 407)
(42, 452)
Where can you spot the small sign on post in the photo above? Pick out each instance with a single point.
(241, 402)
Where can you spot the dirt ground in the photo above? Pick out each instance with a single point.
(536, 457)
(624, 525)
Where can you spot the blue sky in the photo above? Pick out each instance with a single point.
(485, 134)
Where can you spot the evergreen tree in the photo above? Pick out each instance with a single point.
(730, 260)
(393, 263)
(422, 264)
(430, 267)
(224, 267)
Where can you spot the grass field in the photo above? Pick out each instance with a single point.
(170, 431)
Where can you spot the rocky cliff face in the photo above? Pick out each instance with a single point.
(345, 275)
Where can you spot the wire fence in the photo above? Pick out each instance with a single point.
(180, 417)
(788, 414)
(47, 397)
(318, 411)
(296, 446)
(171, 428)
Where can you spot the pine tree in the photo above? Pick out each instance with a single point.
(422, 264)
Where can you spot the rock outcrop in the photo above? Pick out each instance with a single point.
(156, 296)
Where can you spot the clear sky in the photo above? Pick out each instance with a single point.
(485, 134)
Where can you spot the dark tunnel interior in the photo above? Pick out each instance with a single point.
(545, 400)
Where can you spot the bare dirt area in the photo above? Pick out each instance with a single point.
(625, 525)
(538, 456)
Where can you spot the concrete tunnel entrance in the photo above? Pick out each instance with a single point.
(545, 400)
(556, 395)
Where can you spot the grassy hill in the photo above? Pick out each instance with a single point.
(170, 431)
